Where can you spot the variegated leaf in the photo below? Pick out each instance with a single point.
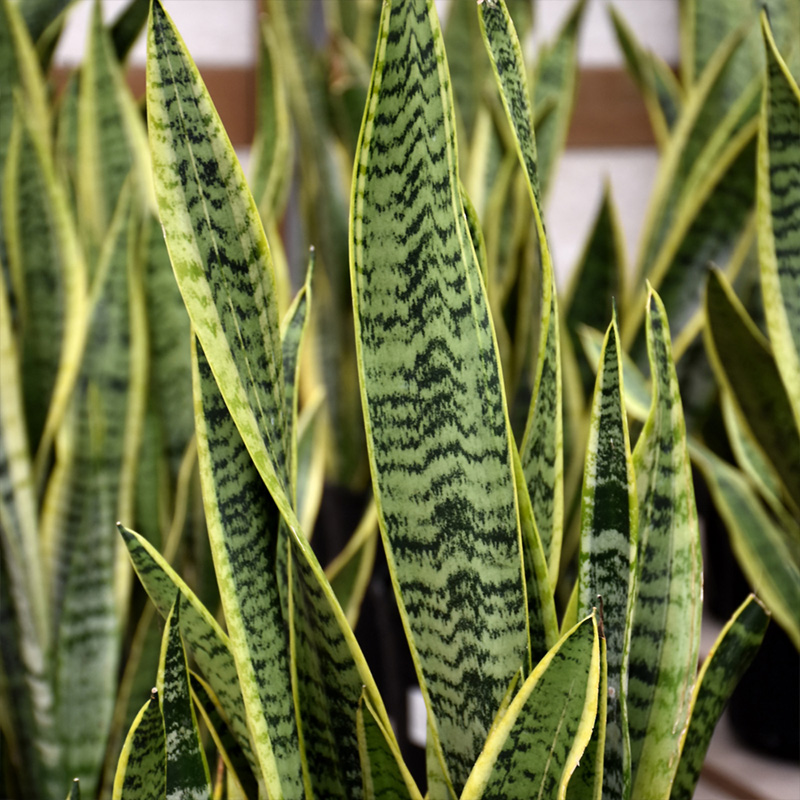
(536, 745)
(436, 425)
(187, 770)
(607, 559)
(666, 618)
(142, 771)
(729, 658)
(779, 215)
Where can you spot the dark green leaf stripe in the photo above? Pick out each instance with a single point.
(432, 393)
(607, 560)
(217, 247)
(243, 532)
(537, 744)
(742, 361)
(542, 446)
(769, 557)
(779, 215)
(141, 770)
(731, 655)
(666, 617)
(385, 775)
(209, 644)
(187, 771)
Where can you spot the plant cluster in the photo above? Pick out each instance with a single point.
(531, 476)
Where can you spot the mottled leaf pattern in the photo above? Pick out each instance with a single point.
(385, 775)
(243, 531)
(432, 394)
(537, 744)
(607, 559)
(542, 444)
(666, 621)
(187, 771)
(141, 770)
(729, 658)
(779, 216)
(209, 644)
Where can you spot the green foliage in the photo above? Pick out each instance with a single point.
(425, 350)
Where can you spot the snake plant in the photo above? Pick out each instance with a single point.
(598, 703)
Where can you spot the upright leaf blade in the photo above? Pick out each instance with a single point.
(542, 446)
(141, 771)
(666, 622)
(537, 744)
(432, 394)
(779, 215)
(187, 771)
(243, 531)
(607, 560)
(728, 660)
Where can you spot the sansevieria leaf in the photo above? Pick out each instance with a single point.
(187, 771)
(537, 744)
(607, 560)
(243, 531)
(779, 215)
(729, 658)
(437, 430)
(141, 770)
(209, 644)
(542, 445)
(666, 618)
(386, 776)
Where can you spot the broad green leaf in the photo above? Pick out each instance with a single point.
(743, 363)
(542, 445)
(554, 80)
(607, 559)
(221, 259)
(141, 771)
(40, 14)
(536, 745)
(432, 395)
(110, 137)
(209, 644)
(91, 487)
(728, 660)
(187, 771)
(656, 82)
(218, 249)
(779, 215)
(666, 619)
(47, 272)
(598, 278)
(386, 776)
(768, 555)
(243, 531)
